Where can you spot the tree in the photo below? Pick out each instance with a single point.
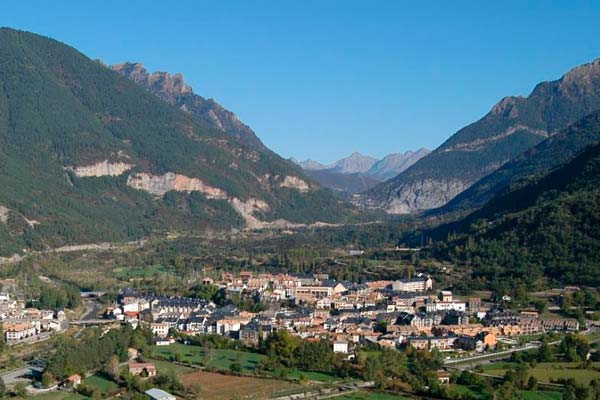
(507, 391)
(575, 347)
(595, 389)
(2, 388)
(47, 379)
(545, 353)
(280, 348)
(113, 367)
(2, 344)
(235, 367)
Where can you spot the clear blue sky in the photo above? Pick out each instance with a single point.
(322, 79)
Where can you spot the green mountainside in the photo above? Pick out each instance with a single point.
(174, 90)
(86, 155)
(546, 229)
(513, 125)
(535, 162)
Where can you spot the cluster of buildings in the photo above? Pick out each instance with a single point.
(392, 314)
(22, 324)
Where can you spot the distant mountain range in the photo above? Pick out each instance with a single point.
(514, 125)
(357, 172)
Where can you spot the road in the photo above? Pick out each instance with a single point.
(490, 356)
(21, 375)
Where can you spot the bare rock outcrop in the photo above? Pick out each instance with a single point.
(158, 185)
(418, 195)
(103, 168)
(293, 182)
(4, 214)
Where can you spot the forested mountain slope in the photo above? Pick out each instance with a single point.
(535, 162)
(513, 125)
(548, 229)
(87, 155)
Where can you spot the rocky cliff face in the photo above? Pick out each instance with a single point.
(104, 168)
(174, 90)
(158, 185)
(512, 126)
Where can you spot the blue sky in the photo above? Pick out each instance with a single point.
(322, 79)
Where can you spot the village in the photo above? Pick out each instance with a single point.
(388, 314)
(21, 324)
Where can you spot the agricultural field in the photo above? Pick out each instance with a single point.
(369, 396)
(218, 359)
(58, 396)
(527, 394)
(539, 395)
(547, 372)
(103, 385)
(165, 366)
(221, 360)
(224, 387)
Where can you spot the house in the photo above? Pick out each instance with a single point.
(252, 333)
(144, 369)
(311, 294)
(474, 305)
(73, 381)
(340, 346)
(14, 331)
(560, 325)
(428, 343)
(419, 342)
(160, 329)
(445, 296)
(412, 285)
(469, 343)
(158, 394)
(443, 376)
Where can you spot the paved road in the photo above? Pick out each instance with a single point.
(20, 375)
(490, 356)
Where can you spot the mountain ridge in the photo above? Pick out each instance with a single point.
(513, 125)
(357, 173)
(173, 89)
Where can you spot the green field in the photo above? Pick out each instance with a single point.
(164, 366)
(102, 384)
(218, 359)
(221, 360)
(369, 396)
(547, 372)
(527, 394)
(465, 390)
(539, 395)
(58, 396)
